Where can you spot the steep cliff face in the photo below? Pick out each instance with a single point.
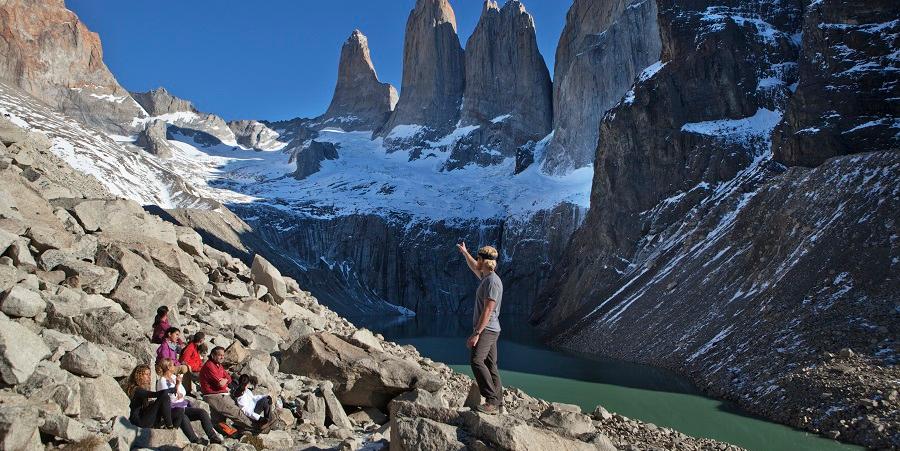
(604, 46)
(360, 101)
(508, 89)
(701, 254)
(48, 53)
(848, 96)
(360, 263)
(433, 73)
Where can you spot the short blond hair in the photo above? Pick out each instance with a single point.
(491, 252)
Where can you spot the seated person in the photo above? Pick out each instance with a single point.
(257, 407)
(160, 325)
(167, 380)
(159, 412)
(169, 349)
(191, 356)
(214, 381)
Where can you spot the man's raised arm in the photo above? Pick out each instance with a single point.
(473, 265)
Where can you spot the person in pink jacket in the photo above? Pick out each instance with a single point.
(169, 349)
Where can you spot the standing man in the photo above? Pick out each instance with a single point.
(486, 326)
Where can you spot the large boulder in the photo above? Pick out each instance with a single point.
(6, 239)
(364, 338)
(63, 427)
(361, 378)
(20, 254)
(128, 436)
(85, 360)
(104, 325)
(423, 433)
(334, 411)
(10, 276)
(20, 352)
(60, 342)
(50, 383)
(313, 410)
(83, 247)
(93, 278)
(264, 273)
(19, 428)
(573, 422)
(142, 287)
(123, 221)
(102, 398)
(91, 360)
(295, 311)
(177, 264)
(269, 315)
(514, 434)
(276, 440)
(22, 302)
(259, 369)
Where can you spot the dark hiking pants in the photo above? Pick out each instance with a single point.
(484, 366)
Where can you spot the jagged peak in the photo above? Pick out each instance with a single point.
(490, 5)
(360, 42)
(440, 10)
(358, 36)
(515, 6)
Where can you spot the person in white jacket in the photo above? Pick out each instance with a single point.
(257, 407)
(165, 370)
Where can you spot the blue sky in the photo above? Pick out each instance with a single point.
(266, 59)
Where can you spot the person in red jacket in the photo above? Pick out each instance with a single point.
(214, 380)
(190, 355)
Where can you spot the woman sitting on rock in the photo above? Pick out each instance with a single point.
(160, 325)
(167, 380)
(159, 413)
(191, 355)
(257, 407)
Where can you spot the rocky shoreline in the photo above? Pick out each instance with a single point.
(82, 272)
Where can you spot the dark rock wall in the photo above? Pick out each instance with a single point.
(355, 263)
(848, 95)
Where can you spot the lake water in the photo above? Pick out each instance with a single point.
(636, 391)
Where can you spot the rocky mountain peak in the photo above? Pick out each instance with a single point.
(159, 101)
(360, 101)
(603, 47)
(433, 70)
(508, 92)
(49, 53)
(439, 10)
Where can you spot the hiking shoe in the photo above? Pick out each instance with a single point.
(488, 409)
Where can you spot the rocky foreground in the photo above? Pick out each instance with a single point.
(81, 274)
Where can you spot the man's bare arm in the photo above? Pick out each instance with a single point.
(485, 315)
(470, 261)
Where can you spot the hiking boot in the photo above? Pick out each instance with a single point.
(488, 409)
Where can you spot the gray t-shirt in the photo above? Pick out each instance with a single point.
(491, 288)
